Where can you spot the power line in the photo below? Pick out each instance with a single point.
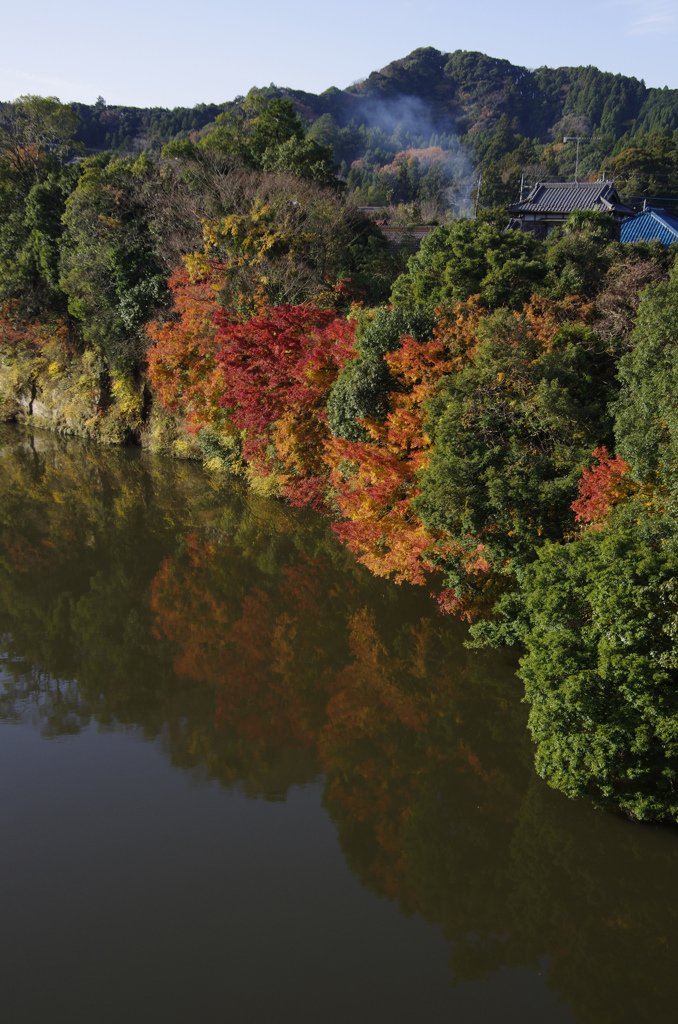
(662, 199)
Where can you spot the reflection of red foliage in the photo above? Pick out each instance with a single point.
(264, 658)
(22, 555)
(267, 655)
(601, 487)
(297, 665)
(367, 693)
(378, 718)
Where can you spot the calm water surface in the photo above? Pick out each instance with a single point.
(243, 781)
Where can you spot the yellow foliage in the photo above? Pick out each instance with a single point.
(215, 465)
(128, 398)
(267, 486)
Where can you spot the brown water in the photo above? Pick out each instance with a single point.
(242, 781)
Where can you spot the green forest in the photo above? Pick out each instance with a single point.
(490, 416)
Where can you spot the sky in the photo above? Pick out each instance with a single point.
(147, 53)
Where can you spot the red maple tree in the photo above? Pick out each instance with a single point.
(601, 487)
(277, 369)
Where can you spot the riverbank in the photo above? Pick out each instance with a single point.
(49, 386)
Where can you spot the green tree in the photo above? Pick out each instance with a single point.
(510, 432)
(266, 134)
(646, 423)
(580, 253)
(649, 168)
(472, 258)
(110, 269)
(31, 229)
(601, 672)
(35, 135)
(363, 387)
(303, 157)
(36, 131)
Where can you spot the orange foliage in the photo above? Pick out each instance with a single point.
(545, 317)
(270, 377)
(30, 336)
(602, 487)
(182, 365)
(428, 155)
(375, 483)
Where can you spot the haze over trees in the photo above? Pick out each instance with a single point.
(421, 129)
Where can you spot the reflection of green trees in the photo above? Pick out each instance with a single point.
(601, 895)
(240, 635)
(517, 875)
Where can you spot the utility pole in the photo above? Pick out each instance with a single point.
(480, 180)
(578, 139)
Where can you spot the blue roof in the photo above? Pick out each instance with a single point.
(650, 225)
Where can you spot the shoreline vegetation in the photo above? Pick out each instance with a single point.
(492, 417)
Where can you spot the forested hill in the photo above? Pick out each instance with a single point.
(434, 120)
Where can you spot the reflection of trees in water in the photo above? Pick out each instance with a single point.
(246, 640)
(28, 693)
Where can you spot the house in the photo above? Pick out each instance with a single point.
(651, 224)
(550, 203)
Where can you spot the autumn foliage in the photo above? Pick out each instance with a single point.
(276, 371)
(182, 365)
(30, 337)
(601, 487)
(375, 482)
(302, 661)
(267, 379)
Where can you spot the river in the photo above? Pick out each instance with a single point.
(242, 780)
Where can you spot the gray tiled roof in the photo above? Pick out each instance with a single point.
(567, 196)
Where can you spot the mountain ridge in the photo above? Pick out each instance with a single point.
(487, 116)
(454, 83)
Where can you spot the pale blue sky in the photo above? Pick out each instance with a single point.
(144, 52)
